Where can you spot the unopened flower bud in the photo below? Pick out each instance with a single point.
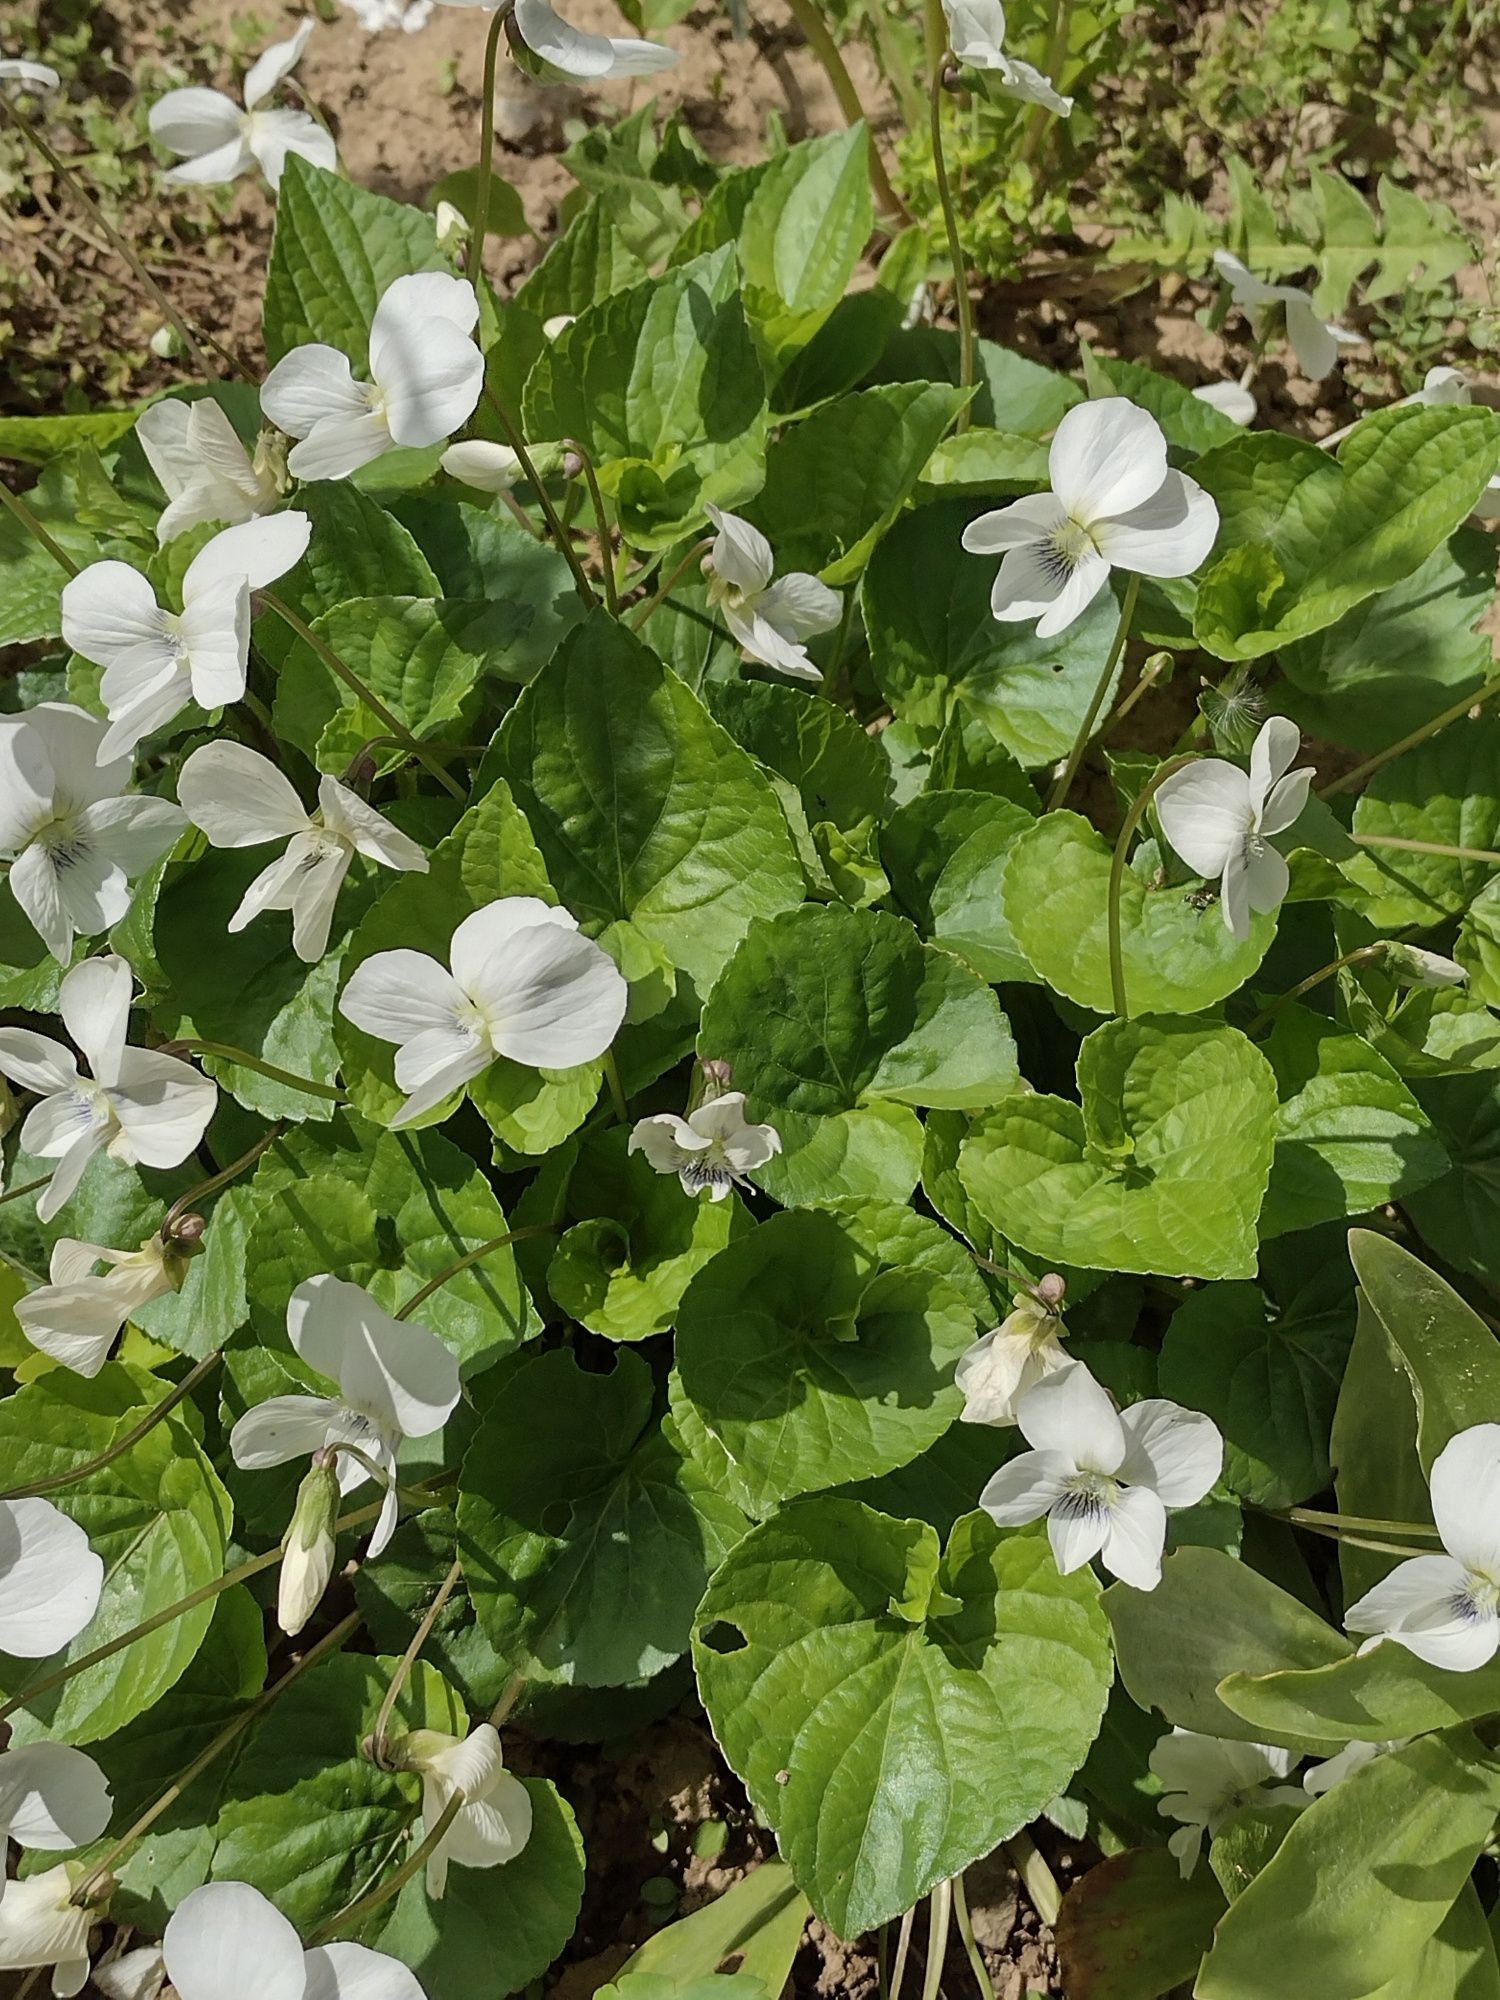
(1410, 965)
(572, 464)
(452, 227)
(1051, 1290)
(184, 1232)
(308, 1551)
(953, 76)
(166, 343)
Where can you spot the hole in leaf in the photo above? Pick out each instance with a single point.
(722, 1637)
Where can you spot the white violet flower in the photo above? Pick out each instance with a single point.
(524, 984)
(769, 621)
(1220, 819)
(1320, 1778)
(50, 1579)
(40, 1924)
(490, 468)
(134, 1975)
(713, 1147)
(155, 662)
(75, 837)
(219, 140)
(204, 469)
(226, 1941)
(145, 1108)
(76, 1317)
(1315, 341)
(1448, 386)
(1206, 1780)
(1001, 1366)
(1114, 504)
(494, 1822)
(240, 799)
(396, 1380)
(1103, 1478)
(426, 373)
(976, 34)
(52, 1797)
(35, 75)
(1446, 1608)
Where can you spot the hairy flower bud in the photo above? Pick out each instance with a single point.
(308, 1551)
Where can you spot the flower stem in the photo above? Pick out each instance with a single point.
(221, 1179)
(241, 1574)
(1040, 1882)
(367, 695)
(1380, 1547)
(26, 1187)
(971, 1945)
(815, 32)
(121, 248)
(534, 479)
(155, 1415)
(1133, 818)
(939, 1915)
(1352, 780)
(1425, 847)
(1273, 1008)
(329, 1643)
(479, 228)
(1313, 1517)
(616, 1086)
(357, 1911)
(611, 595)
(17, 506)
(938, 58)
(1085, 734)
(469, 1257)
(227, 1053)
(695, 554)
(408, 1658)
(903, 1950)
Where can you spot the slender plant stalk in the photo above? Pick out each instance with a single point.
(367, 695)
(695, 554)
(469, 1257)
(1269, 1012)
(481, 222)
(241, 1574)
(601, 518)
(356, 1912)
(117, 243)
(1425, 847)
(1133, 818)
(1352, 780)
(510, 1694)
(903, 1951)
(158, 1413)
(408, 1658)
(937, 56)
(1313, 1517)
(971, 1944)
(329, 1643)
(226, 1052)
(221, 1179)
(1085, 734)
(809, 19)
(616, 1086)
(939, 1915)
(534, 479)
(1381, 1547)
(18, 507)
(26, 1187)
(1041, 1883)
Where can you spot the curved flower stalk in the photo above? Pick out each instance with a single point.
(142, 1107)
(225, 1941)
(52, 1797)
(77, 1317)
(1104, 1479)
(1003, 1365)
(30, 75)
(219, 140)
(713, 1147)
(1315, 341)
(1206, 1780)
(425, 377)
(50, 1579)
(769, 621)
(976, 35)
(204, 469)
(156, 662)
(41, 1925)
(396, 1380)
(1446, 1608)
(1220, 819)
(240, 799)
(75, 837)
(524, 984)
(1114, 504)
(494, 1822)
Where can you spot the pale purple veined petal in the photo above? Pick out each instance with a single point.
(1070, 1414)
(34, 884)
(50, 1579)
(310, 384)
(225, 1941)
(1177, 1453)
(1033, 518)
(1078, 1527)
(1465, 1486)
(273, 135)
(237, 797)
(1170, 534)
(1106, 458)
(1089, 577)
(274, 65)
(1425, 1605)
(1025, 1487)
(52, 1128)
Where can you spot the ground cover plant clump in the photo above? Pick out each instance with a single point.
(722, 1005)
